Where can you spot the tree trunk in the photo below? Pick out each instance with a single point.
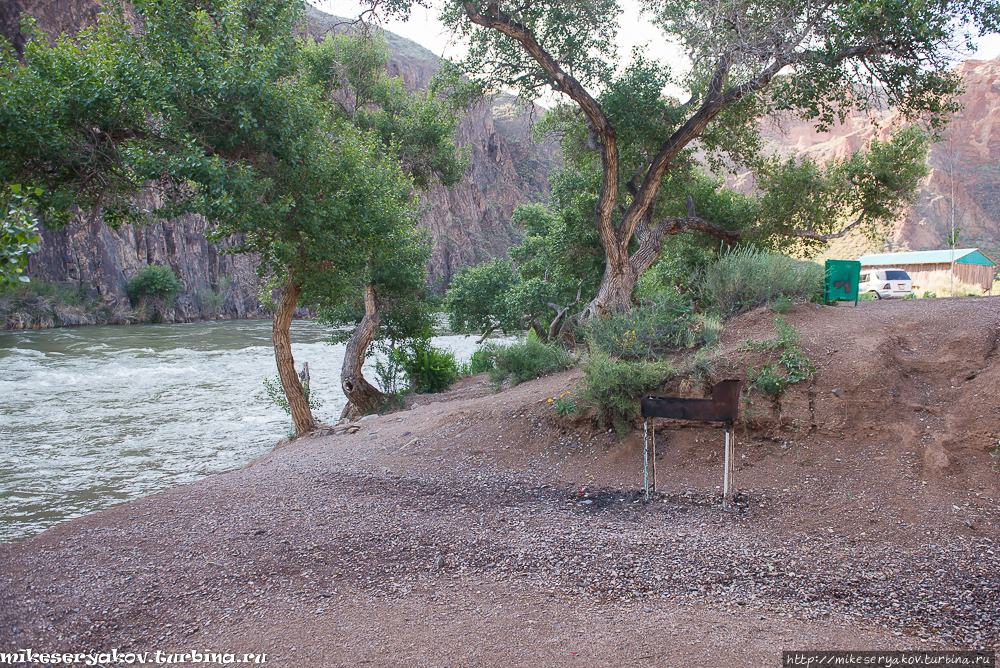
(362, 396)
(615, 293)
(297, 402)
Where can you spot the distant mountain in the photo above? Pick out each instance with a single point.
(967, 158)
(469, 223)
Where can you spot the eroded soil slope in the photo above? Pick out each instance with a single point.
(482, 529)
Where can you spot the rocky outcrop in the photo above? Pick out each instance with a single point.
(468, 223)
(964, 167)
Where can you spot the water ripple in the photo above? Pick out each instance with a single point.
(95, 416)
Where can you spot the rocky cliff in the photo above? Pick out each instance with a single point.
(965, 168)
(469, 222)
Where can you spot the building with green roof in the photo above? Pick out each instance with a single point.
(930, 266)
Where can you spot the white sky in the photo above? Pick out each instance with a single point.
(425, 29)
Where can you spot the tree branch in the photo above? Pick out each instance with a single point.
(560, 314)
(502, 22)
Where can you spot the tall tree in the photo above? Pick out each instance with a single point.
(418, 131)
(748, 59)
(213, 106)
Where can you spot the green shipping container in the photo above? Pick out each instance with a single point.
(842, 277)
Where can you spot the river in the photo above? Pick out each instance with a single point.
(95, 416)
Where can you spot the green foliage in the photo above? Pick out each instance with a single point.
(565, 404)
(430, 369)
(476, 300)
(613, 387)
(525, 360)
(648, 167)
(274, 391)
(929, 295)
(912, 295)
(18, 234)
(309, 153)
(480, 361)
(155, 282)
(211, 300)
(783, 304)
(745, 278)
(791, 365)
(390, 369)
(867, 297)
(678, 270)
(649, 332)
(558, 259)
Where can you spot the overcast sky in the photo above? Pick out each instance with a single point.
(424, 29)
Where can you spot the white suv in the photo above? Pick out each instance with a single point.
(885, 282)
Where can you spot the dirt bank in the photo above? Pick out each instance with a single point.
(483, 529)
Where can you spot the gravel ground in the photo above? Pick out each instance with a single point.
(484, 530)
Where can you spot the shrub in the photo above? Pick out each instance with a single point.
(210, 301)
(651, 331)
(745, 278)
(430, 369)
(390, 368)
(481, 360)
(614, 387)
(276, 394)
(38, 304)
(526, 360)
(791, 367)
(782, 304)
(155, 282)
(929, 295)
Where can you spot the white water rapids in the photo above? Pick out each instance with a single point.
(94, 416)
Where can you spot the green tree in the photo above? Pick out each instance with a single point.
(476, 299)
(18, 235)
(218, 106)
(417, 131)
(749, 59)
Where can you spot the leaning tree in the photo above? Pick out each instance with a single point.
(748, 60)
(213, 107)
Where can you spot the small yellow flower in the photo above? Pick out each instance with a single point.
(550, 401)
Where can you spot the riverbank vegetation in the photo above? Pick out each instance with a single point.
(308, 151)
(670, 338)
(40, 305)
(311, 154)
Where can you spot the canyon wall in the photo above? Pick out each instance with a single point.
(469, 222)
(964, 169)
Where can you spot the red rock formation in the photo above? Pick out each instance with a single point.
(967, 158)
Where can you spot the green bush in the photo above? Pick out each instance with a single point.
(430, 369)
(481, 360)
(782, 304)
(614, 387)
(390, 368)
(929, 295)
(745, 278)
(155, 282)
(792, 366)
(525, 360)
(649, 332)
(210, 301)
